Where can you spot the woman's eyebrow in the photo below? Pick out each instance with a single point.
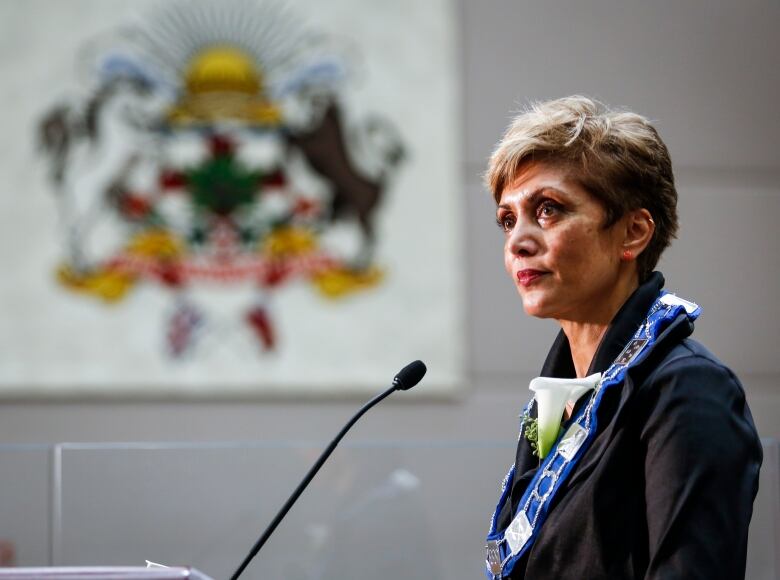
(530, 198)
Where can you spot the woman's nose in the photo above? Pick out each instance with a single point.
(522, 241)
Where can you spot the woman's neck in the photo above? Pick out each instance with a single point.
(584, 339)
(585, 336)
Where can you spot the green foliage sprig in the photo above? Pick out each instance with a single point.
(531, 432)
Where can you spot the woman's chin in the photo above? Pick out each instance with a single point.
(537, 308)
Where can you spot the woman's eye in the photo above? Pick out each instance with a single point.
(547, 209)
(506, 222)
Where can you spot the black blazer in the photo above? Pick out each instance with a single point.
(666, 489)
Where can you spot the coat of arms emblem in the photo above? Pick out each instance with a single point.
(212, 156)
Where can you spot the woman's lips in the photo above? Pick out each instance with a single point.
(528, 277)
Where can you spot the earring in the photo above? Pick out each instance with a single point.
(628, 255)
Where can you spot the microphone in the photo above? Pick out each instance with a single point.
(406, 378)
(410, 375)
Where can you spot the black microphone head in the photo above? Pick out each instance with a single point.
(410, 375)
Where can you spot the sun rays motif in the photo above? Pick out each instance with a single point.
(224, 159)
(285, 51)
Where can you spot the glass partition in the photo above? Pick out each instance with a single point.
(376, 510)
(763, 559)
(25, 510)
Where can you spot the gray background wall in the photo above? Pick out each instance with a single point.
(706, 71)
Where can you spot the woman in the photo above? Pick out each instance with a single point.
(649, 465)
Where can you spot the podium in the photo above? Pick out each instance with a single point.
(101, 573)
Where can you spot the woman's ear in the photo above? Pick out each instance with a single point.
(639, 228)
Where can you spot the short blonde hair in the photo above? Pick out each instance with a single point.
(617, 156)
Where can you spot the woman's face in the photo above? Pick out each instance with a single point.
(563, 261)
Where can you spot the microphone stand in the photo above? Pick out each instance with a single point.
(307, 479)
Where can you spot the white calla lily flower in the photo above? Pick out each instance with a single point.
(551, 396)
